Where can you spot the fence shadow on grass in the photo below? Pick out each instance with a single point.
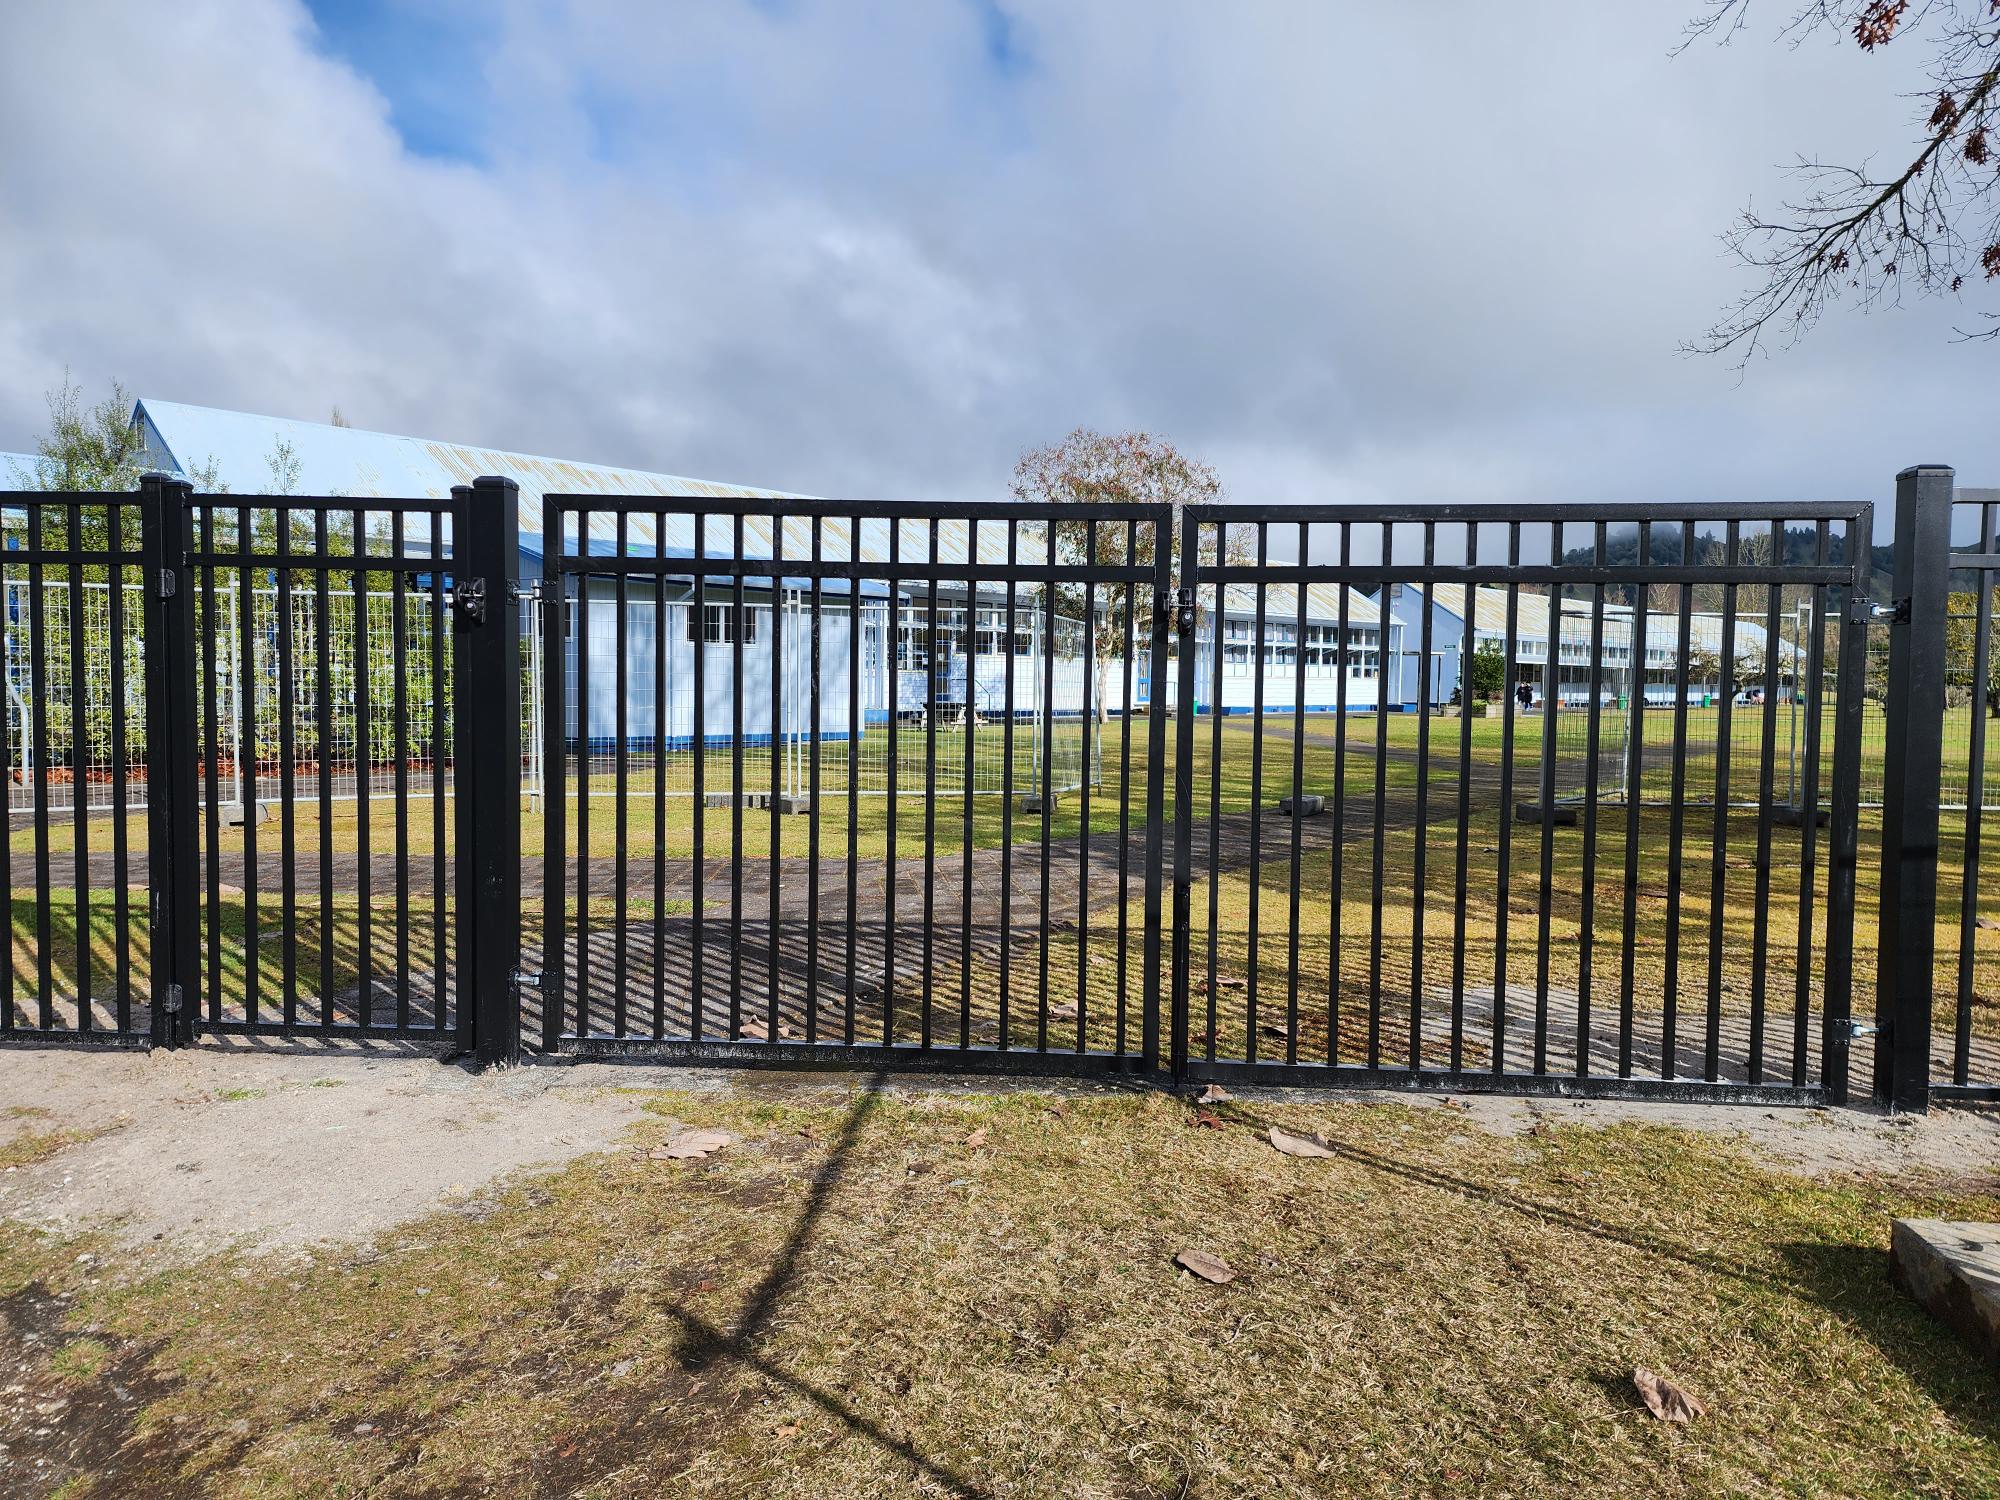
(705, 1344)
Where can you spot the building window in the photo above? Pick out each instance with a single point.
(716, 623)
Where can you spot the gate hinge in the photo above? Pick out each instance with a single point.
(169, 582)
(469, 599)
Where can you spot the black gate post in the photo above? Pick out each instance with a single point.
(1910, 772)
(173, 852)
(486, 769)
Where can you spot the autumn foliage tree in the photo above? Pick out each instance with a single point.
(1864, 237)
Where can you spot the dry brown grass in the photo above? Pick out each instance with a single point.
(854, 1300)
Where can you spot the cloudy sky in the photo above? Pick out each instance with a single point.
(1345, 252)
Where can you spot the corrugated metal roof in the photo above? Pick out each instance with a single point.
(351, 461)
(1281, 603)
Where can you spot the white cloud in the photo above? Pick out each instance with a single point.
(1348, 253)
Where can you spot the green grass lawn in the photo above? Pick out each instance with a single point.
(1239, 792)
(976, 1295)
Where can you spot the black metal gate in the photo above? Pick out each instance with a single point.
(923, 742)
(238, 714)
(1525, 895)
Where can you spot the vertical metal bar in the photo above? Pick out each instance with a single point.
(282, 519)
(1843, 839)
(246, 758)
(1915, 713)
(79, 769)
(555, 773)
(38, 687)
(1048, 781)
(1383, 667)
(816, 730)
(117, 525)
(1593, 745)
(364, 777)
(1635, 780)
(930, 790)
(1546, 795)
(1156, 764)
(1259, 655)
(663, 638)
(621, 773)
(1215, 787)
(1007, 796)
(1337, 882)
(739, 627)
(971, 716)
(855, 626)
(1718, 867)
(1180, 963)
(148, 520)
(892, 652)
(1975, 798)
(1088, 719)
(1503, 885)
(777, 810)
(399, 625)
(1676, 817)
(487, 658)
(1809, 815)
(1766, 777)
(1420, 850)
(440, 750)
(1297, 799)
(698, 634)
(1156, 690)
(583, 776)
(1467, 649)
(323, 752)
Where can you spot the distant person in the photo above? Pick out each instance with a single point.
(1525, 694)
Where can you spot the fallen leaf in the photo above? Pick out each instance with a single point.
(1207, 1267)
(1059, 1109)
(1215, 1093)
(977, 1138)
(789, 1430)
(692, 1145)
(1990, 924)
(918, 1168)
(1664, 1399)
(704, 1286)
(1300, 1145)
(1206, 1120)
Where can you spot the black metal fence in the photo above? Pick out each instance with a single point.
(1378, 897)
(1541, 799)
(966, 909)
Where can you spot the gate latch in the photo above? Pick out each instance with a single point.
(1867, 612)
(1180, 613)
(469, 599)
(1858, 1029)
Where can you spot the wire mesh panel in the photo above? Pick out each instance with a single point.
(825, 778)
(1624, 862)
(322, 745)
(73, 638)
